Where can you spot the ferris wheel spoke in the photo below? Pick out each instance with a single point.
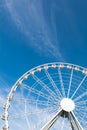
(40, 93)
(79, 86)
(53, 84)
(79, 107)
(82, 117)
(82, 114)
(82, 120)
(61, 81)
(44, 120)
(84, 109)
(26, 114)
(44, 86)
(33, 101)
(83, 102)
(70, 82)
(80, 96)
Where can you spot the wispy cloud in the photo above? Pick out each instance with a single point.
(39, 27)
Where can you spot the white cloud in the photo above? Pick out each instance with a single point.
(29, 16)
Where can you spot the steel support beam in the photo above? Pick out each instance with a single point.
(51, 122)
(76, 122)
(75, 125)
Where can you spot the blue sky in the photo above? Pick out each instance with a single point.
(27, 39)
(37, 32)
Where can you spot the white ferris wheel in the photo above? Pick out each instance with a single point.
(52, 96)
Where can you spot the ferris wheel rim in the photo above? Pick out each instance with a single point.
(50, 63)
(35, 69)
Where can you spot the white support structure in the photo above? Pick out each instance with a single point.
(78, 125)
(52, 121)
(75, 125)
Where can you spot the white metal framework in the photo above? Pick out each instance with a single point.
(50, 96)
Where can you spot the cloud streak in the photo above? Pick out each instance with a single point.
(39, 27)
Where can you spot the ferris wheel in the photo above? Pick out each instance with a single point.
(50, 96)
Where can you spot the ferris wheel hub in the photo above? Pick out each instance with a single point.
(67, 104)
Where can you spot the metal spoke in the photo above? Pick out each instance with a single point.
(79, 86)
(24, 114)
(70, 82)
(45, 86)
(80, 96)
(61, 81)
(82, 117)
(44, 120)
(53, 84)
(33, 101)
(84, 109)
(40, 93)
(81, 102)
